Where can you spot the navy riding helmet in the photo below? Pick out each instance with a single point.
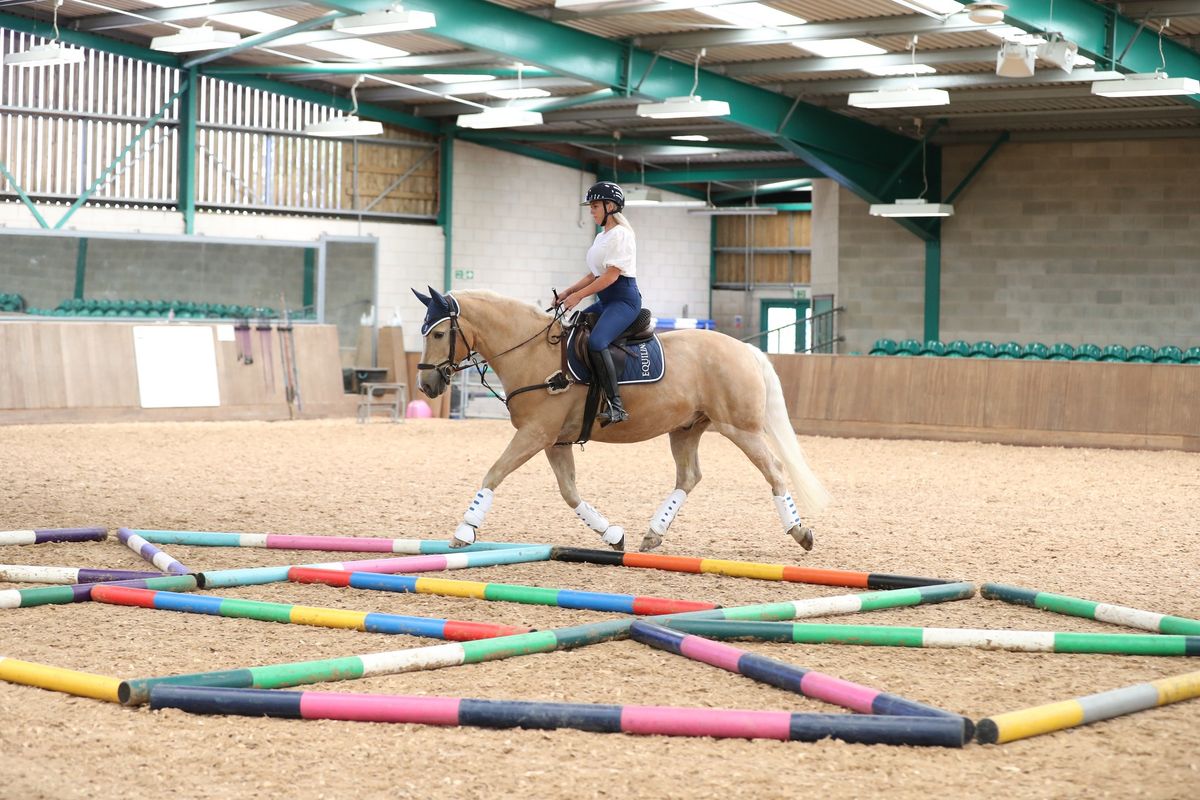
(605, 190)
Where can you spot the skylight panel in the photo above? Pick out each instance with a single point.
(257, 21)
(833, 48)
(900, 69)
(751, 15)
(358, 49)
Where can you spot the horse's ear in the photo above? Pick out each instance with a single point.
(438, 297)
(425, 299)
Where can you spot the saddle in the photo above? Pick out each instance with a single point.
(641, 329)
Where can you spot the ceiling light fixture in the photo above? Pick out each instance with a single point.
(1015, 60)
(914, 206)
(349, 126)
(501, 116)
(51, 54)
(690, 137)
(683, 107)
(735, 211)
(518, 94)
(986, 13)
(194, 40)
(1058, 52)
(1149, 84)
(908, 97)
(386, 21)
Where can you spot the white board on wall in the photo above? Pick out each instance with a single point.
(176, 366)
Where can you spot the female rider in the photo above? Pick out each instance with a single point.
(612, 277)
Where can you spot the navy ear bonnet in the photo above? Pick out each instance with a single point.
(438, 308)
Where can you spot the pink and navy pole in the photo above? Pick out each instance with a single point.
(291, 541)
(809, 683)
(720, 723)
(44, 535)
(154, 555)
(18, 573)
(450, 629)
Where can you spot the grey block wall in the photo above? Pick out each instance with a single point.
(1053, 241)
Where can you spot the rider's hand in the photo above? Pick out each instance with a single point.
(572, 300)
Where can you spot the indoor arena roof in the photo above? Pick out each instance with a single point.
(787, 69)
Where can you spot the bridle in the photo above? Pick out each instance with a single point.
(449, 367)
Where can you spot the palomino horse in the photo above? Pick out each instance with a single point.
(711, 381)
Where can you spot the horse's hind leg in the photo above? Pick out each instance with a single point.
(685, 444)
(562, 461)
(754, 445)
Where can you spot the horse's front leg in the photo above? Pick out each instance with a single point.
(519, 450)
(562, 461)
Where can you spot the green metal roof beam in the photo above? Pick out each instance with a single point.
(864, 153)
(1103, 35)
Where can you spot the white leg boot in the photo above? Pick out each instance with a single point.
(790, 517)
(464, 534)
(663, 518)
(613, 535)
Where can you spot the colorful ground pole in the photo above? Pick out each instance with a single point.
(53, 535)
(809, 683)
(349, 544)
(1086, 710)
(648, 720)
(889, 636)
(137, 692)
(154, 555)
(489, 558)
(844, 603)
(532, 595)
(743, 569)
(82, 592)
(1089, 609)
(17, 573)
(450, 629)
(56, 679)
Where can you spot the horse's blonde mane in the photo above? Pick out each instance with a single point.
(510, 304)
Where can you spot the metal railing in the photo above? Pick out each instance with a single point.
(824, 331)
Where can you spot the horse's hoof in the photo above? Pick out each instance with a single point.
(650, 541)
(802, 535)
(464, 536)
(614, 537)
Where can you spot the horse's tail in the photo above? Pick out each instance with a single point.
(811, 495)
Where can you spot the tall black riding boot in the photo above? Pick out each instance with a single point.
(606, 374)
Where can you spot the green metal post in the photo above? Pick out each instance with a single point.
(8, 176)
(446, 207)
(96, 184)
(933, 285)
(80, 267)
(187, 149)
(712, 261)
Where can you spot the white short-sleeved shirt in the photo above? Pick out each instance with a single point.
(616, 247)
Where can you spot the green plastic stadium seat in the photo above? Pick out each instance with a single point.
(1191, 355)
(1170, 354)
(1061, 352)
(958, 349)
(1088, 352)
(933, 348)
(1035, 350)
(1008, 350)
(983, 349)
(1141, 354)
(1115, 352)
(909, 347)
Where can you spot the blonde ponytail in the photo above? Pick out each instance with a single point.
(620, 218)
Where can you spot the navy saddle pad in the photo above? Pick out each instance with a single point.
(644, 362)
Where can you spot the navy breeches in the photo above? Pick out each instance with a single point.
(618, 306)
